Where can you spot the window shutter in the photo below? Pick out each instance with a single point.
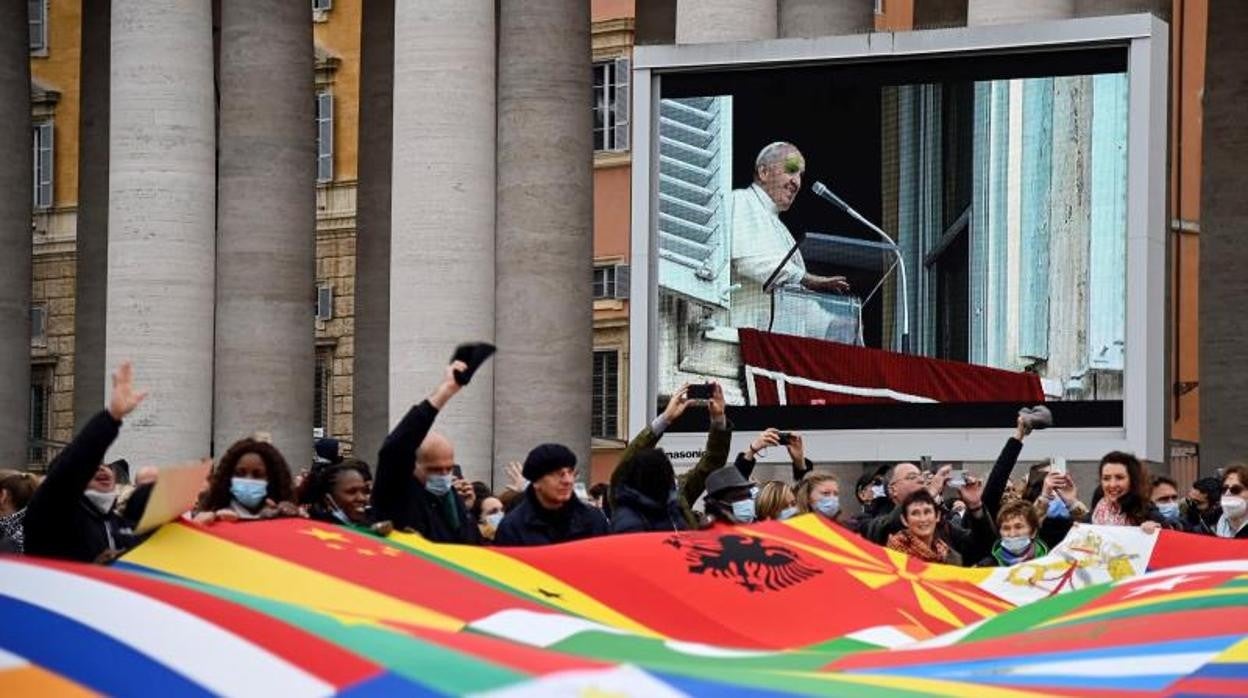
(695, 181)
(325, 302)
(38, 19)
(622, 103)
(43, 162)
(324, 136)
(623, 275)
(38, 325)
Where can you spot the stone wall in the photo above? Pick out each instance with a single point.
(53, 289)
(335, 265)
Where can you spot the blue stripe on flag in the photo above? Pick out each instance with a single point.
(387, 684)
(1000, 670)
(82, 654)
(1222, 670)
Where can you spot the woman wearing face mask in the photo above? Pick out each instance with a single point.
(1123, 496)
(776, 501)
(1234, 521)
(728, 498)
(820, 493)
(251, 481)
(1018, 525)
(645, 496)
(338, 494)
(489, 517)
(16, 489)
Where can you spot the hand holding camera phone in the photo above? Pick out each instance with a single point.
(700, 391)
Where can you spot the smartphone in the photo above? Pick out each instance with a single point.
(458, 472)
(1058, 465)
(957, 478)
(925, 464)
(785, 438)
(700, 391)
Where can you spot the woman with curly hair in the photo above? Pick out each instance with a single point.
(251, 481)
(1123, 496)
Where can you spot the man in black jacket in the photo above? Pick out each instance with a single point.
(548, 512)
(73, 514)
(415, 487)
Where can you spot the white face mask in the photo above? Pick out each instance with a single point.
(493, 520)
(1234, 507)
(103, 501)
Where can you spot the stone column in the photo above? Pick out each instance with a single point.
(981, 12)
(16, 196)
(266, 228)
(442, 211)
(545, 229)
(370, 400)
(1223, 254)
(707, 21)
(826, 17)
(1096, 8)
(91, 275)
(161, 196)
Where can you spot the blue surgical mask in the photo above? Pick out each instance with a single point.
(250, 493)
(787, 513)
(877, 491)
(828, 506)
(1057, 509)
(743, 511)
(1016, 544)
(439, 485)
(1170, 510)
(493, 520)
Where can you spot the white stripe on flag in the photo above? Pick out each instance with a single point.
(216, 659)
(624, 680)
(781, 378)
(1177, 664)
(537, 629)
(8, 660)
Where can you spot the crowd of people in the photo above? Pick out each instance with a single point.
(86, 510)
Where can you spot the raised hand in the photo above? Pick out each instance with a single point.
(797, 448)
(449, 386)
(124, 398)
(716, 404)
(937, 483)
(768, 437)
(465, 491)
(677, 404)
(972, 492)
(515, 477)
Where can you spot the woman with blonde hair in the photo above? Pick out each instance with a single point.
(820, 493)
(775, 501)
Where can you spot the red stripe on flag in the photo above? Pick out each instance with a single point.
(318, 657)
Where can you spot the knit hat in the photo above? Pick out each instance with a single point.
(724, 479)
(546, 459)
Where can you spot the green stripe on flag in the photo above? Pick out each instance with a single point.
(1033, 614)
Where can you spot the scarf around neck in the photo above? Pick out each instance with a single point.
(1108, 513)
(903, 541)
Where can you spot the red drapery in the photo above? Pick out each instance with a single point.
(818, 372)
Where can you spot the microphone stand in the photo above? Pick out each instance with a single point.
(823, 192)
(769, 284)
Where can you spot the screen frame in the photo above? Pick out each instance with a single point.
(1145, 404)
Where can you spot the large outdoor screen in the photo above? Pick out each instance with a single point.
(861, 240)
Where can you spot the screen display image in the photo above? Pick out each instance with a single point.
(892, 235)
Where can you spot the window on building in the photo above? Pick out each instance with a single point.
(322, 390)
(38, 10)
(43, 163)
(879, 7)
(322, 5)
(606, 394)
(324, 136)
(611, 281)
(40, 403)
(38, 326)
(611, 104)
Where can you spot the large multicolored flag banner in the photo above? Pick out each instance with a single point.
(293, 608)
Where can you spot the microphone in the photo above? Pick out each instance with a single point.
(826, 194)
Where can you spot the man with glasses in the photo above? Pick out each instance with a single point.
(416, 487)
(971, 540)
(548, 512)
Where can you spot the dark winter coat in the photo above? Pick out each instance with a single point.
(61, 522)
(635, 512)
(400, 498)
(532, 524)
